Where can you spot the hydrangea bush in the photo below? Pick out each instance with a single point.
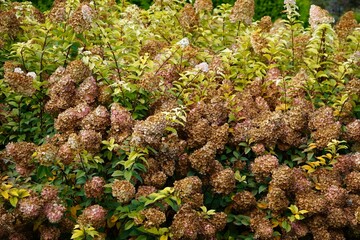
(182, 121)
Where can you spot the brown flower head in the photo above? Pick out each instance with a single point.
(277, 200)
(282, 177)
(90, 140)
(265, 24)
(244, 201)
(49, 193)
(20, 152)
(120, 118)
(263, 166)
(46, 154)
(187, 186)
(57, 13)
(61, 93)
(153, 217)
(185, 224)
(20, 81)
(201, 160)
(319, 16)
(87, 91)
(143, 191)
(223, 182)
(243, 11)
(49, 233)
(97, 120)
(312, 202)
(299, 229)
(70, 119)
(352, 181)
(30, 207)
(54, 211)
(94, 215)
(353, 131)
(336, 196)
(78, 71)
(9, 24)
(82, 18)
(188, 18)
(123, 190)
(346, 25)
(337, 218)
(260, 225)
(203, 5)
(94, 187)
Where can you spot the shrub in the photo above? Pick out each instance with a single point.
(178, 122)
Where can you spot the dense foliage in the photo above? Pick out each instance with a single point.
(178, 122)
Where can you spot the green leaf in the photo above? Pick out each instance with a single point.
(117, 173)
(262, 188)
(285, 225)
(129, 224)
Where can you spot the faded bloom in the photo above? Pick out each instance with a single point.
(153, 217)
(20, 82)
(97, 120)
(258, 42)
(54, 211)
(46, 154)
(78, 71)
(49, 193)
(9, 24)
(244, 201)
(277, 200)
(203, 5)
(87, 91)
(243, 11)
(319, 16)
(263, 166)
(289, 2)
(87, 13)
(120, 118)
(90, 140)
(81, 18)
(94, 187)
(70, 119)
(223, 182)
(201, 159)
(30, 207)
(352, 181)
(289, 5)
(49, 233)
(188, 18)
(186, 224)
(57, 13)
(265, 24)
(187, 186)
(94, 215)
(346, 25)
(123, 190)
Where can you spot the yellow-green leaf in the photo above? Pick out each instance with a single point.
(14, 192)
(5, 194)
(13, 201)
(164, 237)
(77, 234)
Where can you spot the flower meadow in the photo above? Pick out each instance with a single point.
(182, 121)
